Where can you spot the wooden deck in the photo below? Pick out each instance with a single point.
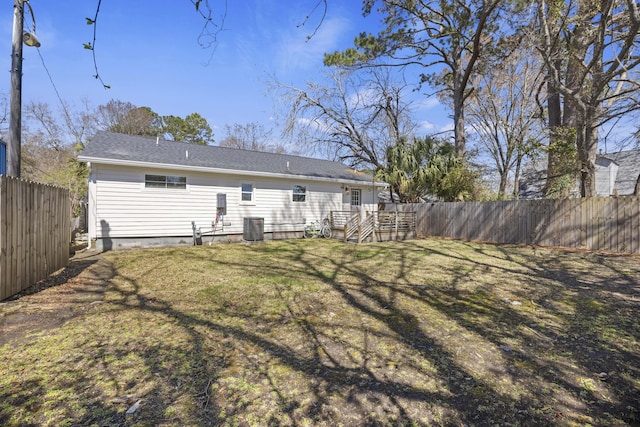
(373, 226)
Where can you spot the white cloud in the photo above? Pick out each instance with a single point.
(298, 53)
(449, 127)
(365, 96)
(427, 103)
(426, 127)
(314, 125)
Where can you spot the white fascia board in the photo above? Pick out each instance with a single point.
(135, 163)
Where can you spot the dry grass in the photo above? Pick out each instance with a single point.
(313, 332)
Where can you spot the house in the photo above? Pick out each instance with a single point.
(616, 174)
(150, 192)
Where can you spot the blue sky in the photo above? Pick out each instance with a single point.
(148, 52)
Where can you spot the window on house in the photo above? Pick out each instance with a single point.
(247, 192)
(299, 193)
(165, 181)
(356, 197)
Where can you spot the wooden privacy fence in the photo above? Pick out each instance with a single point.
(34, 233)
(599, 223)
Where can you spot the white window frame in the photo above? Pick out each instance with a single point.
(302, 195)
(252, 193)
(169, 182)
(357, 199)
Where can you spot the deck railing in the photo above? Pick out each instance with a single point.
(366, 227)
(390, 223)
(339, 218)
(352, 226)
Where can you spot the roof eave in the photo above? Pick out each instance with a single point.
(119, 162)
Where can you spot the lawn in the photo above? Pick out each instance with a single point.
(317, 332)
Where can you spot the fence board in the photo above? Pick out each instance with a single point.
(3, 231)
(12, 232)
(633, 225)
(600, 223)
(583, 223)
(34, 233)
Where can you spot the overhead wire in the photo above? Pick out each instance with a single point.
(65, 111)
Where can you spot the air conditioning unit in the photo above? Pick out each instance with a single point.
(253, 229)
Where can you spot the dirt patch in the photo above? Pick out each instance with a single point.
(53, 301)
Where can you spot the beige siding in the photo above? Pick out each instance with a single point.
(125, 208)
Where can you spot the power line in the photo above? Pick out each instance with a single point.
(55, 88)
(53, 84)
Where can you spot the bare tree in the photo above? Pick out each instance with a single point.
(448, 36)
(68, 127)
(354, 118)
(503, 111)
(250, 136)
(591, 58)
(124, 117)
(51, 144)
(4, 110)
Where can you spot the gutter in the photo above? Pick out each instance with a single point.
(135, 163)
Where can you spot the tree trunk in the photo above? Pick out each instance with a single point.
(579, 115)
(516, 180)
(458, 123)
(504, 177)
(554, 156)
(587, 143)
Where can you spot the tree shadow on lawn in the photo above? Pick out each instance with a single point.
(326, 379)
(523, 372)
(468, 399)
(104, 369)
(39, 311)
(178, 368)
(47, 304)
(579, 331)
(467, 394)
(360, 350)
(58, 278)
(591, 374)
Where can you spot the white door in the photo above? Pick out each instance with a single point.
(356, 199)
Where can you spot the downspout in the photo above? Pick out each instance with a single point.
(373, 191)
(91, 212)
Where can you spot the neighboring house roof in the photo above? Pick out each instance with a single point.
(628, 170)
(120, 149)
(616, 173)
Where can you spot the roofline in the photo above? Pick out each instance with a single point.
(101, 160)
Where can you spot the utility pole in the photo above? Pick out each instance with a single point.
(15, 121)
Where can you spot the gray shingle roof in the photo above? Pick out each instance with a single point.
(113, 147)
(628, 171)
(533, 181)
